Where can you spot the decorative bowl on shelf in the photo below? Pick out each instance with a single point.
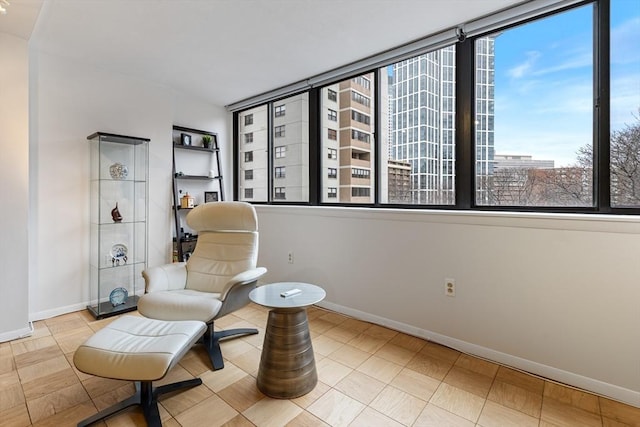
(118, 296)
(118, 171)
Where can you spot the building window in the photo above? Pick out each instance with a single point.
(332, 134)
(332, 115)
(360, 191)
(362, 81)
(332, 193)
(279, 110)
(333, 173)
(360, 98)
(360, 117)
(248, 119)
(279, 193)
(332, 95)
(248, 156)
(360, 136)
(280, 172)
(278, 131)
(248, 138)
(281, 152)
(248, 193)
(332, 153)
(248, 174)
(360, 173)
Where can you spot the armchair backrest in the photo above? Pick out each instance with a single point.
(227, 244)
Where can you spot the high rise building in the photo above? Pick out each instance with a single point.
(422, 125)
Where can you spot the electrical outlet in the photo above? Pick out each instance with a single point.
(290, 257)
(450, 287)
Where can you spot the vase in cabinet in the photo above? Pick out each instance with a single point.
(119, 208)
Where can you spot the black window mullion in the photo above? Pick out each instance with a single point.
(236, 155)
(270, 132)
(602, 110)
(315, 147)
(465, 93)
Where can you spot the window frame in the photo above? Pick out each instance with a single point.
(465, 103)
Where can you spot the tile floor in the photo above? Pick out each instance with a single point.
(368, 376)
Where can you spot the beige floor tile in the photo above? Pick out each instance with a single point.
(238, 421)
(572, 397)
(11, 394)
(66, 322)
(433, 416)
(408, 342)
(211, 412)
(349, 356)
(50, 383)
(42, 369)
(356, 325)
(608, 422)
(177, 403)
(196, 361)
(380, 332)
(430, 365)
(336, 408)
(248, 361)
(325, 345)
(476, 365)
(370, 418)
(396, 354)
(222, 378)
(380, 369)
(516, 398)
(272, 412)
(232, 348)
(562, 414)
(341, 334)
(97, 386)
(306, 419)
(457, 401)
(418, 385)
(16, 416)
(69, 417)
(360, 386)
(368, 343)
(520, 379)
(242, 394)
(495, 415)
(320, 326)
(334, 318)
(620, 412)
(331, 372)
(470, 381)
(398, 405)
(58, 401)
(19, 348)
(70, 340)
(7, 364)
(440, 352)
(114, 396)
(307, 399)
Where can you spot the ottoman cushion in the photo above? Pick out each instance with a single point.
(136, 348)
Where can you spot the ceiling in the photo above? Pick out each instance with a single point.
(226, 50)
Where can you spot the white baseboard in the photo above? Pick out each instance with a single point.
(630, 397)
(14, 335)
(59, 311)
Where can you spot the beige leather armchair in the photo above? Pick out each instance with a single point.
(216, 280)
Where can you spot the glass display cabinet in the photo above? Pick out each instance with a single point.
(118, 216)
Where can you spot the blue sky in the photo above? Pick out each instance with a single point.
(544, 75)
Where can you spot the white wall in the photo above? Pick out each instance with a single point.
(555, 295)
(14, 186)
(72, 101)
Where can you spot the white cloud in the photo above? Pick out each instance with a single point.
(523, 69)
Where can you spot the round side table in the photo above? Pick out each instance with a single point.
(287, 365)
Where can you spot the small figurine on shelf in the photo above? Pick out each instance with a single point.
(115, 214)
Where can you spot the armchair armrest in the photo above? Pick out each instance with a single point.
(244, 278)
(165, 277)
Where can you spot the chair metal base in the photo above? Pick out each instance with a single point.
(147, 397)
(211, 339)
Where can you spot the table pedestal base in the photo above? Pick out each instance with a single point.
(287, 366)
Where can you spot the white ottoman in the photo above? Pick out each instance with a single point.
(142, 350)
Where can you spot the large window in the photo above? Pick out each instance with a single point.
(534, 113)
(625, 104)
(350, 146)
(537, 115)
(288, 161)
